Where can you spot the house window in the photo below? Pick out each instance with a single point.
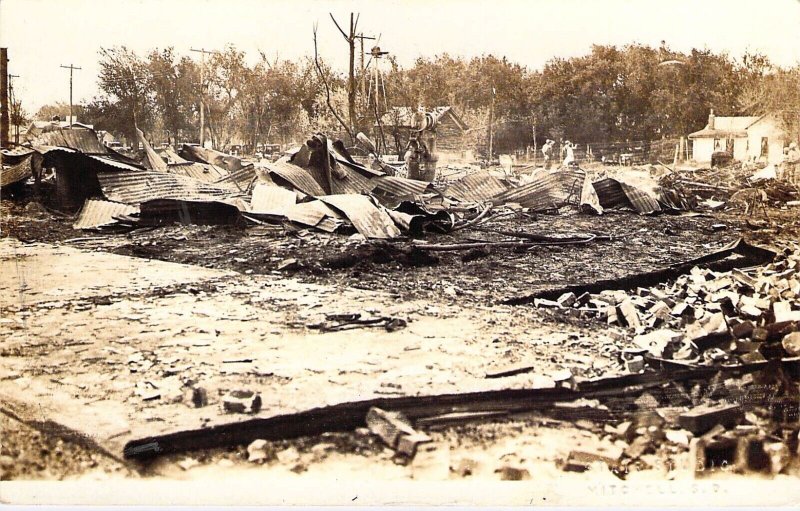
(764, 146)
(729, 145)
(717, 147)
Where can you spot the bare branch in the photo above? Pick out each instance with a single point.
(327, 87)
(337, 26)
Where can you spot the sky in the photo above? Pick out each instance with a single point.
(42, 35)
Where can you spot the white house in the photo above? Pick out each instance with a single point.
(760, 138)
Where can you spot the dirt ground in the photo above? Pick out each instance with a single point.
(463, 290)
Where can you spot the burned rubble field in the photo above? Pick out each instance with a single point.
(637, 244)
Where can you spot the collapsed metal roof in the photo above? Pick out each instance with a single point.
(143, 186)
(369, 220)
(96, 214)
(400, 186)
(476, 187)
(296, 176)
(547, 190)
(80, 139)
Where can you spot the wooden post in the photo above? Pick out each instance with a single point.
(4, 120)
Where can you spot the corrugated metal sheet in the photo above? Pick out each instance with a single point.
(143, 186)
(312, 213)
(354, 182)
(476, 187)
(16, 173)
(642, 202)
(200, 171)
(610, 194)
(114, 164)
(400, 186)
(547, 191)
(81, 139)
(152, 159)
(296, 176)
(272, 200)
(615, 194)
(98, 213)
(370, 221)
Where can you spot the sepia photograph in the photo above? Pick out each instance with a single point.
(408, 252)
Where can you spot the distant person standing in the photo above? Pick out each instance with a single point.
(569, 150)
(547, 151)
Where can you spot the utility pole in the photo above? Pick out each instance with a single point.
(14, 107)
(202, 52)
(491, 126)
(4, 97)
(71, 69)
(361, 37)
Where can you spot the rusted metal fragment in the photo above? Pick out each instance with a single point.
(79, 139)
(139, 187)
(315, 214)
(400, 186)
(272, 200)
(547, 191)
(200, 171)
(152, 159)
(368, 219)
(477, 187)
(97, 214)
(295, 176)
(616, 194)
(243, 179)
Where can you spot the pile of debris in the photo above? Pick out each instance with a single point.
(318, 185)
(704, 317)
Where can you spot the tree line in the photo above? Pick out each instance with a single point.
(630, 93)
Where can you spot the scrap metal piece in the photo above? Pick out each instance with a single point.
(153, 160)
(16, 173)
(272, 200)
(547, 191)
(296, 176)
(369, 220)
(97, 214)
(139, 187)
(313, 214)
(400, 186)
(617, 194)
(476, 187)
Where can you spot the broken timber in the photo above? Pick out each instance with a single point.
(351, 415)
(738, 254)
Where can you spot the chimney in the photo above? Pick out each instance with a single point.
(711, 120)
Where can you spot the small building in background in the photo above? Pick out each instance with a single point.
(451, 144)
(746, 138)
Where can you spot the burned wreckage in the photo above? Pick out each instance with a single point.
(709, 355)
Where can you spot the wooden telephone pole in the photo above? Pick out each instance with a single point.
(71, 69)
(202, 52)
(4, 97)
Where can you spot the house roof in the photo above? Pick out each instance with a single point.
(725, 127)
(405, 116)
